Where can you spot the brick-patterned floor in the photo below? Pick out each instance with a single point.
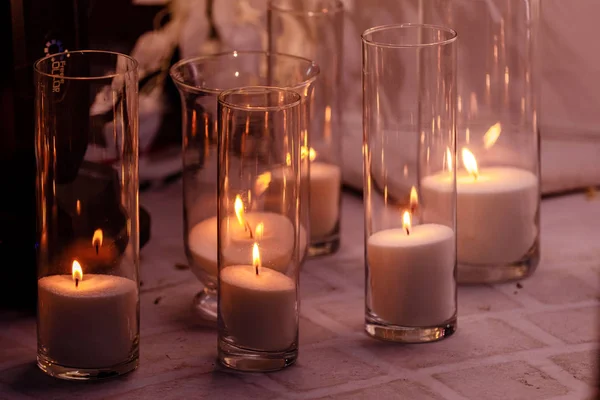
(538, 341)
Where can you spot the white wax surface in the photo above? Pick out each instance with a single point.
(259, 311)
(411, 277)
(496, 213)
(325, 187)
(89, 326)
(276, 245)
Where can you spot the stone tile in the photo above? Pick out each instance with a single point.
(325, 367)
(558, 287)
(312, 287)
(583, 365)
(311, 333)
(475, 339)
(351, 269)
(400, 389)
(514, 380)
(170, 308)
(12, 352)
(482, 299)
(578, 325)
(349, 312)
(193, 349)
(217, 385)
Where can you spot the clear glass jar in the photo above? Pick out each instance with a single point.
(499, 197)
(259, 231)
(88, 212)
(409, 98)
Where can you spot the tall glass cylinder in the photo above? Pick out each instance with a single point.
(313, 29)
(200, 80)
(498, 205)
(259, 244)
(87, 203)
(409, 101)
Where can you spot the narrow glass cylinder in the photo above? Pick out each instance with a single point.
(313, 29)
(200, 80)
(87, 203)
(259, 244)
(497, 122)
(409, 100)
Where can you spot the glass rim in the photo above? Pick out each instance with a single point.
(297, 99)
(453, 36)
(67, 54)
(337, 7)
(235, 53)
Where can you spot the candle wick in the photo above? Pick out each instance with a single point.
(256, 268)
(97, 246)
(76, 282)
(407, 231)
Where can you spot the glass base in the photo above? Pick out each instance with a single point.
(85, 374)
(470, 274)
(205, 304)
(324, 247)
(409, 334)
(241, 359)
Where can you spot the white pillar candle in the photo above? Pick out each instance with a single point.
(91, 325)
(325, 187)
(259, 310)
(411, 276)
(496, 212)
(276, 243)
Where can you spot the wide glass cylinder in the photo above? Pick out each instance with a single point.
(313, 29)
(259, 231)
(200, 80)
(409, 102)
(499, 204)
(87, 203)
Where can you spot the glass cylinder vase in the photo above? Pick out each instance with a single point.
(259, 245)
(87, 203)
(200, 80)
(499, 197)
(313, 29)
(409, 100)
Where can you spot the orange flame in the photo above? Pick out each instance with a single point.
(470, 162)
(256, 258)
(406, 223)
(77, 272)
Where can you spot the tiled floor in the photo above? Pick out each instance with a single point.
(538, 341)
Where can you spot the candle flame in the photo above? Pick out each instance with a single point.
(260, 230)
(470, 162)
(77, 272)
(239, 209)
(406, 222)
(256, 258)
(492, 135)
(97, 238)
(262, 183)
(414, 198)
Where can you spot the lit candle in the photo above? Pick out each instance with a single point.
(496, 210)
(87, 320)
(258, 305)
(276, 239)
(411, 274)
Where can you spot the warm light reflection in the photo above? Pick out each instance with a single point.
(414, 198)
(492, 135)
(449, 159)
(78, 207)
(97, 239)
(260, 230)
(406, 222)
(311, 153)
(470, 162)
(239, 209)
(256, 258)
(77, 272)
(262, 183)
